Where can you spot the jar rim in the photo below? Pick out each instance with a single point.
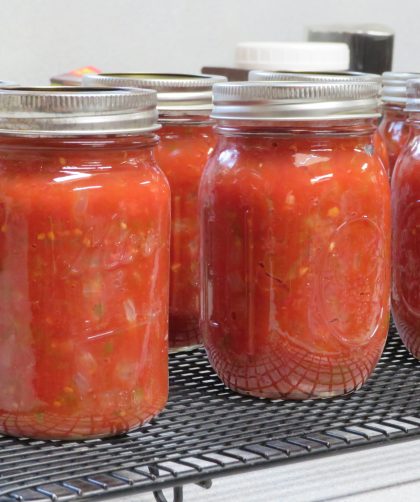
(76, 111)
(295, 100)
(394, 86)
(351, 76)
(413, 96)
(176, 92)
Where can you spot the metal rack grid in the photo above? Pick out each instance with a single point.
(207, 431)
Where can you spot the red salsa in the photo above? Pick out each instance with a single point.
(394, 128)
(406, 232)
(295, 256)
(345, 76)
(186, 141)
(395, 132)
(182, 153)
(381, 149)
(84, 257)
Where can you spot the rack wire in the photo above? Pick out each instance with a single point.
(207, 431)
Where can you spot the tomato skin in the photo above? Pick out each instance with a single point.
(295, 261)
(395, 132)
(84, 274)
(182, 153)
(406, 244)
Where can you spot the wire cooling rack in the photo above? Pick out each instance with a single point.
(207, 431)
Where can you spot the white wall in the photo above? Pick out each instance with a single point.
(39, 38)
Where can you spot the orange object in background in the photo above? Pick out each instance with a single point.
(74, 77)
(187, 140)
(394, 128)
(84, 254)
(295, 241)
(406, 232)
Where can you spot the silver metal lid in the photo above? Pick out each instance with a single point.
(73, 111)
(347, 76)
(280, 101)
(394, 86)
(176, 92)
(66, 80)
(413, 95)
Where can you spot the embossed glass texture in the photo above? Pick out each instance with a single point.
(295, 253)
(84, 261)
(182, 153)
(406, 241)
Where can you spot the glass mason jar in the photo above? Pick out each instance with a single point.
(295, 239)
(186, 141)
(406, 231)
(345, 76)
(394, 127)
(84, 262)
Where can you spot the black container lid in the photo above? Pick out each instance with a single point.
(371, 45)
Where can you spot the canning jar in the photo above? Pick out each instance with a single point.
(186, 141)
(345, 76)
(394, 127)
(406, 231)
(295, 239)
(84, 262)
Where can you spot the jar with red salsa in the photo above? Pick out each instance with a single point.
(345, 76)
(295, 239)
(406, 230)
(186, 142)
(84, 262)
(394, 127)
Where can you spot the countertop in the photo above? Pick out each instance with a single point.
(387, 472)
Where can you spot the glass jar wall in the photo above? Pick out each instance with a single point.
(182, 153)
(186, 142)
(345, 76)
(84, 253)
(394, 127)
(295, 240)
(406, 231)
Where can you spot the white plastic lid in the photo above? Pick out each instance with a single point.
(293, 56)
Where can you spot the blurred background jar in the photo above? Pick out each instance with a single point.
(186, 141)
(406, 230)
(295, 239)
(394, 127)
(84, 262)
